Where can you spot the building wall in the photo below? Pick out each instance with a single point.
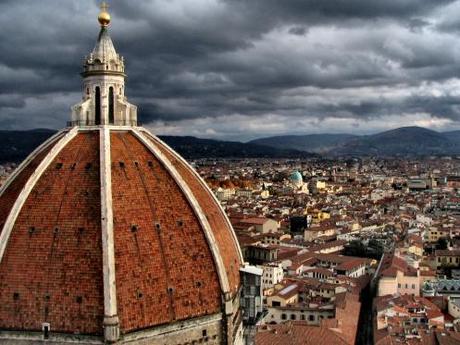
(357, 272)
(409, 285)
(400, 284)
(434, 234)
(415, 250)
(447, 261)
(325, 293)
(269, 226)
(311, 316)
(311, 234)
(387, 286)
(271, 276)
(320, 184)
(453, 308)
(261, 254)
(225, 194)
(251, 297)
(282, 301)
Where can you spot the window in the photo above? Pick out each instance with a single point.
(293, 316)
(276, 304)
(97, 110)
(111, 106)
(413, 286)
(46, 330)
(283, 317)
(399, 286)
(311, 317)
(406, 285)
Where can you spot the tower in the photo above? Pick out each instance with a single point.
(107, 235)
(103, 101)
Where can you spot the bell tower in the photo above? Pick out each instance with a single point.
(103, 100)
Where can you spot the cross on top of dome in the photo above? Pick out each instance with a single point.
(104, 16)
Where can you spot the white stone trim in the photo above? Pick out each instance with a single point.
(111, 322)
(196, 208)
(33, 179)
(29, 159)
(203, 183)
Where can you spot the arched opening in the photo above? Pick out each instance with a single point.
(97, 118)
(111, 112)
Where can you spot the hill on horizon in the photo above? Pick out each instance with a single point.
(319, 143)
(399, 141)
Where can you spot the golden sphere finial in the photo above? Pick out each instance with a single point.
(104, 16)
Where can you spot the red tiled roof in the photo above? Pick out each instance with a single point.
(297, 333)
(255, 221)
(352, 264)
(391, 264)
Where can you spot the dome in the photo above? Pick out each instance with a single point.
(296, 177)
(87, 192)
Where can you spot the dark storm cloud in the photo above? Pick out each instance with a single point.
(298, 30)
(233, 66)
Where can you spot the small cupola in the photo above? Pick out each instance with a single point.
(103, 99)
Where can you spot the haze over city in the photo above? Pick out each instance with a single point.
(242, 70)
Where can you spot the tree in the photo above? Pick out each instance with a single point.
(355, 248)
(441, 243)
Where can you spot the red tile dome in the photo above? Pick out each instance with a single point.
(90, 194)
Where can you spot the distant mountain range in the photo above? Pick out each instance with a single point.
(191, 147)
(397, 142)
(16, 145)
(404, 141)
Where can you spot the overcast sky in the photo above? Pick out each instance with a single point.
(241, 69)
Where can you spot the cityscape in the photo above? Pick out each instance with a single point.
(112, 233)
